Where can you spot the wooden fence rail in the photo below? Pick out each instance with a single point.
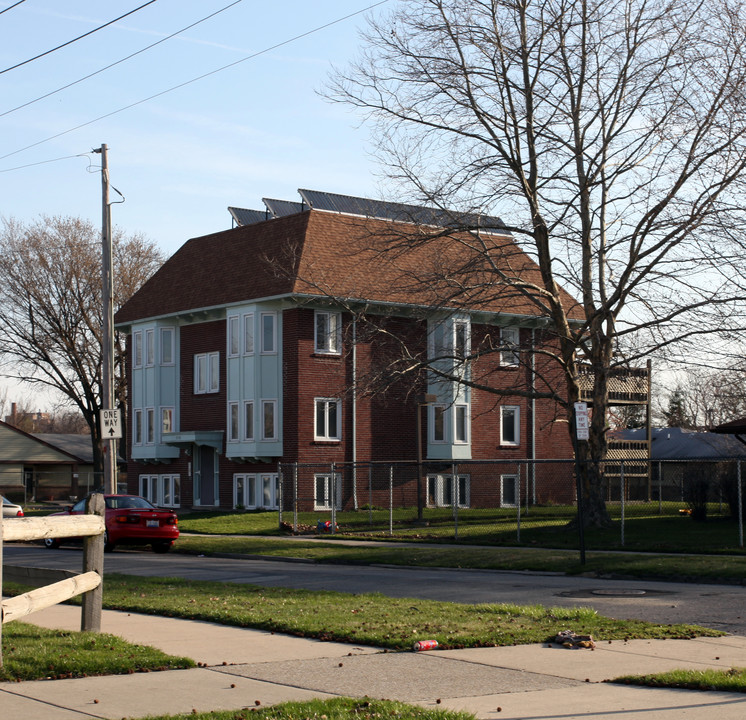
(64, 585)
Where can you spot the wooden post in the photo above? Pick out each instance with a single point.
(93, 561)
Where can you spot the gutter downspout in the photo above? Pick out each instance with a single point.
(354, 413)
(533, 416)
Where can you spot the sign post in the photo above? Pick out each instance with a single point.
(111, 426)
(581, 433)
(111, 431)
(581, 420)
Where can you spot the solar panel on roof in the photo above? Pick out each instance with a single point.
(348, 204)
(243, 216)
(366, 207)
(281, 208)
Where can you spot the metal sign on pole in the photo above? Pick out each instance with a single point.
(111, 425)
(581, 421)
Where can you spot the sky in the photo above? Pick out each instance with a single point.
(257, 129)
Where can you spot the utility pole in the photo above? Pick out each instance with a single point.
(109, 444)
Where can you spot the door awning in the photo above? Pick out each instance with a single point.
(187, 438)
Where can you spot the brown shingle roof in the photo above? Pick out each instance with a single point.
(331, 254)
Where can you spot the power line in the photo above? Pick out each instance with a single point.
(196, 79)
(43, 162)
(118, 62)
(10, 7)
(80, 37)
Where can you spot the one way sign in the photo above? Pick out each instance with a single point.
(111, 427)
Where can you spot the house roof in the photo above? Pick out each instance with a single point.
(79, 446)
(734, 427)
(64, 449)
(18, 446)
(680, 444)
(328, 253)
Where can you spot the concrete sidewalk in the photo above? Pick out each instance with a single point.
(245, 667)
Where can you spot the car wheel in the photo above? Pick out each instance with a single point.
(161, 547)
(51, 543)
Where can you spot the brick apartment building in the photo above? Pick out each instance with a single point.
(257, 346)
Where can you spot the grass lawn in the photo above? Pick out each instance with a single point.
(643, 565)
(334, 709)
(646, 528)
(732, 680)
(34, 653)
(370, 619)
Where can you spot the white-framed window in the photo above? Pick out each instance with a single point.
(149, 488)
(252, 491)
(438, 417)
(461, 338)
(328, 333)
(323, 488)
(167, 420)
(269, 419)
(437, 340)
(161, 490)
(149, 426)
(234, 335)
(269, 332)
(509, 493)
(248, 420)
(269, 486)
(240, 500)
(169, 491)
(248, 334)
(441, 488)
(510, 340)
(137, 427)
(510, 425)
(137, 349)
(167, 346)
(233, 422)
(327, 419)
(206, 373)
(461, 424)
(150, 347)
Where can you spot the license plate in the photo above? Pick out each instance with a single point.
(151, 523)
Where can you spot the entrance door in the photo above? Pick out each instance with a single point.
(206, 475)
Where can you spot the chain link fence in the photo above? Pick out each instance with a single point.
(672, 505)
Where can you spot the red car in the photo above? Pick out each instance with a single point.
(131, 520)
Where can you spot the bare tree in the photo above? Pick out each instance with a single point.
(51, 307)
(609, 135)
(712, 396)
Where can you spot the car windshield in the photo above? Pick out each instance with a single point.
(128, 503)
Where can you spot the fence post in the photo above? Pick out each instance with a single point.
(622, 494)
(454, 500)
(295, 497)
(281, 489)
(93, 561)
(517, 490)
(660, 488)
(391, 499)
(740, 506)
(333, 493)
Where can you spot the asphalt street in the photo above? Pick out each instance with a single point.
(718, 606)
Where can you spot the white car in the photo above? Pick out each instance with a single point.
(11, 510)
